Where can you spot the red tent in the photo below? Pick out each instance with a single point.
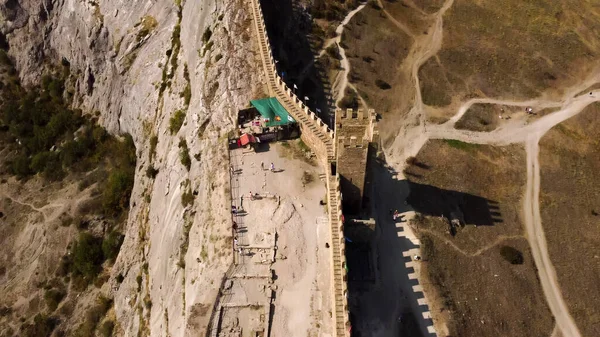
(246, 139)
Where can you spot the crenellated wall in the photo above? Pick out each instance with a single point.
(315, 133)
(322, 140)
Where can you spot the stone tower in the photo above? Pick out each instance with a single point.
(355, 131)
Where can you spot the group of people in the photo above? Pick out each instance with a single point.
(272, 167)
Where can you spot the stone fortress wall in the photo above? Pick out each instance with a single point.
(322, 140)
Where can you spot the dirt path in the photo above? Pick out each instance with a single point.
(341, 80)
(537, 241)
(412, 133)
(514, 133)
(478, 252)
(398, 24)
(539, 104)
(37, 209)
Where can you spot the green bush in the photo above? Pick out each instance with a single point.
(106, 329)
(176, 121)
(21, 166)
(512, 255)
(151, 172)
(206, 35)
(187, 198)
(53, 297)
(184, 154)
(42, 326)
(186, 94)
(111, 245)
(333, 51)
(93, 316)
(383, 85)
(116, 194)
(87, 256)
(153, 143)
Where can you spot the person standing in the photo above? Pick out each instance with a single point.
(262, 166)
(272, 167)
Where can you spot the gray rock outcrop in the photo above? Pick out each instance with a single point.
(125, 66)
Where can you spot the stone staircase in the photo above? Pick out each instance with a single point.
(277, 87)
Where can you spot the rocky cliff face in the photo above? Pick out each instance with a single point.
(135, 62)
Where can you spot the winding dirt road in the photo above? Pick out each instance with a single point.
(341, 80)
(537, 241)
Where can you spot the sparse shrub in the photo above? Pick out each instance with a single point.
(349, 101)
(187, 198)
(383, 85)
(333, 51)
(53, 297)
(111, 245)
(307, 178)
(87, 256)
(93, 316)
(20, 166)
(512, 255)
(106, 329)
(176, 121)
(4, 58)
(116, 194)
(153, 143)
(206, 35)
(184, 154)
(151, 172)
(374, 5)
(427, 248)
(186, 94)
(42, 326)
(148, 24)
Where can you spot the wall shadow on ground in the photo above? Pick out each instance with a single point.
(434, 201)
(289, 26)
(390, 303)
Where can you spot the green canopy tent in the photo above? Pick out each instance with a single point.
(272, 112)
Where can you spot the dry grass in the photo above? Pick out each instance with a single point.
(570, 204)
(480, 117)
(486, 295)
(376, 48)
(516, 49)
(484, 182)
(473, 281)
(295, 149)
